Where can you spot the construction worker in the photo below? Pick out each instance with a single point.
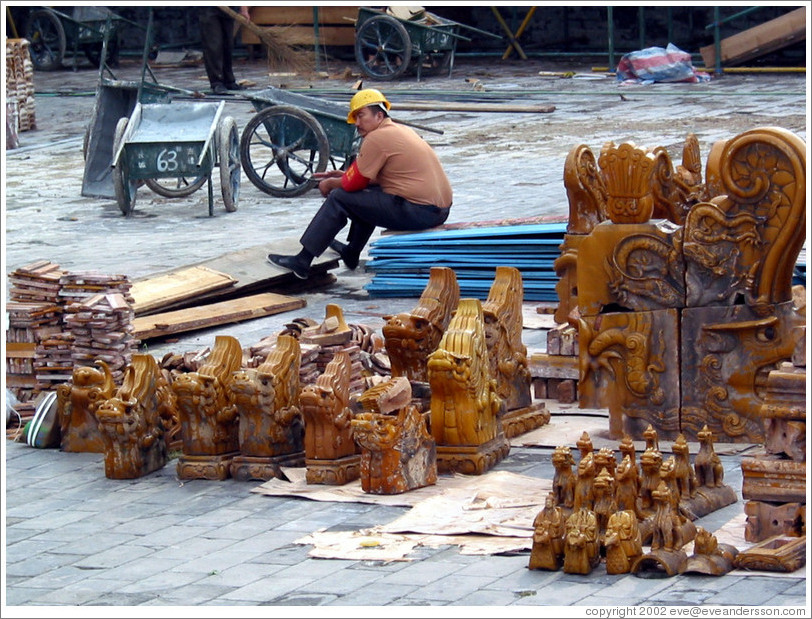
(217, 39)
(395, 182)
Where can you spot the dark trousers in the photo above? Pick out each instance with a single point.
(365, 210)
(217, 38)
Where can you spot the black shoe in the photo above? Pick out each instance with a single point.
(300, 270)
(235, 86)
(349, 257)
(219, 89)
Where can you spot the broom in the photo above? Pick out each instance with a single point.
(282, 53)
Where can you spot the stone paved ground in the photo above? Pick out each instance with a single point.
(74, 538)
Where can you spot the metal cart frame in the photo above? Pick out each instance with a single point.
(291, 137)
(387, 46)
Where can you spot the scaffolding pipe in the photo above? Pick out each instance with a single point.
(610, 26)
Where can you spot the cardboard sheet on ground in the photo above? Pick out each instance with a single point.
(353, 493)
(484, 514)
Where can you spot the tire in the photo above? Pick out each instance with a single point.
(175, 187)
(125, 188)
(46, 36)
(281, 147)
(383, 47)
(228, 154)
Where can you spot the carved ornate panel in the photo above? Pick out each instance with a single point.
(763, 174)
(628, 172)
(629, 364)
(586, 191)
(630, 267)
(727, 352)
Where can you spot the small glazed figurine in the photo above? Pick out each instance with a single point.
(622, 541)
(548, 537)
(563, 478)
(581, 543)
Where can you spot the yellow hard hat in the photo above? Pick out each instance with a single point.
(363, 98)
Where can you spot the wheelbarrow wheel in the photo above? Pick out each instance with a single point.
(383, 47)
(124, 187)
(175, 187)
(281, 148)
(46, 36)
(228, 153)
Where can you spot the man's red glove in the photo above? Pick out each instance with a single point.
(353, 180)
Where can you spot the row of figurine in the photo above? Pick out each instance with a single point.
(247, 423)
(610, 510)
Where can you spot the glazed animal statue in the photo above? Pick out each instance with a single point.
(464, 401)
(604, 502)
(209, 425)
(667, 529)
(581, 542)
(605, 459)
(668, 474)
(708, 467)
(684, 474)
(397, 452)
(563, 478)
(131, 422)
(650, 463)
(710, 557)
(627, 484)
(77, 402)
(266, 400)
(584, 492)
(548, 537)
(410, 337)
(622, 542)
(326, 408)
(502, 312)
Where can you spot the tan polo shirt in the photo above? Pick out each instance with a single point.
(403, 164)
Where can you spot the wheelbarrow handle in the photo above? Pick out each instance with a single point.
(416, 126)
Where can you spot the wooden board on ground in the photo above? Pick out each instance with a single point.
(253, 273)
(204, 316)
(155, 293)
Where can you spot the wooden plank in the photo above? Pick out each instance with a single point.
(302, 15)
(759, 40)
(20, 350)
(305, 35)
(162, 291)
(437, 106)
(204, 316)
(253, 273)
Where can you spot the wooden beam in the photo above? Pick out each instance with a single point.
(204, 316)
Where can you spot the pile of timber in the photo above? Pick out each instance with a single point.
(20, 85)
(58, 320)
(34, 314)
(101, 327)
(401, 262)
